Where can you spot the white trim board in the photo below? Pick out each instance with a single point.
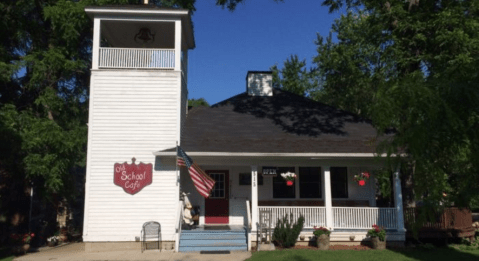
(257, 154)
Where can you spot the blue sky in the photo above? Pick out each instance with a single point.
(257, 35)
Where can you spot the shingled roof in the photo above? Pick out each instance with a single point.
(282, 123)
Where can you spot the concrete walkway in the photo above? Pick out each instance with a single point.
(76, 251)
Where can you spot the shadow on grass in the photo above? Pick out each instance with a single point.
(437, 253)
(406, 254)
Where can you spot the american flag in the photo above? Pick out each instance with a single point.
(203, 183)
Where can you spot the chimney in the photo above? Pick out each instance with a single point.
(259, 83)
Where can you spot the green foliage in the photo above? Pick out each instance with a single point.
(231, 4)
(377, 232)
(411, 67)
(295, 78)
(198, 102)
(321, 231)
(286, 233)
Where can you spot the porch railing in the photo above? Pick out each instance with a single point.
(125, 58)
(313, 216)
(364, 217)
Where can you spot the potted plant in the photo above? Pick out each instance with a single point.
(322, 237)
(289, 177)
(361, 178)
(378, 237)
(52, 241)
(22, 242)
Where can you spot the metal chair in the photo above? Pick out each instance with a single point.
(150, 230)
(265, 226)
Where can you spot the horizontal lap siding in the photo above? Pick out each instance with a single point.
(133, 114)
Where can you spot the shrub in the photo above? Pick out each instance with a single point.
(286, 233)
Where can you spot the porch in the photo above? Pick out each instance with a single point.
(325, 196)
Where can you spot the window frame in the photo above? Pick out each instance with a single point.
(346, 182)
(321, 182)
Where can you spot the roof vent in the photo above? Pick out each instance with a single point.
(259, 83)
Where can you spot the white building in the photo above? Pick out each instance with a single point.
(138, 109)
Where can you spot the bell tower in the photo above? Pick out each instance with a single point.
(138, 103)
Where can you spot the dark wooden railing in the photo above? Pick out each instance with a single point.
(452, 221)
(450, 218)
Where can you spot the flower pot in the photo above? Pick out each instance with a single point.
(323, 242)
(25, 248)
(52, 243)
(378, 244)
(361, 183)
(289, 183)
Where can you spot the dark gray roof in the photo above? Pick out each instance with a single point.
(282, 123)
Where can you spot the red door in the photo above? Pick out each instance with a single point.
(217, 205)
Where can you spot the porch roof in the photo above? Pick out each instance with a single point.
(284, 124)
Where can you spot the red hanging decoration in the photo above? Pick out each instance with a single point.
(361, 178)
(289, 183)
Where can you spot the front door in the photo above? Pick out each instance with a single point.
(217, 205)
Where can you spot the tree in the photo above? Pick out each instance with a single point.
(198, 102)
(410, 66)
(295, 78)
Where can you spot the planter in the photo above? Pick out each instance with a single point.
(289, 183)
(21, 249)
(378, 244)
(52, 243)
(323, 242)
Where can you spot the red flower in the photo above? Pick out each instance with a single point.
(362, 183)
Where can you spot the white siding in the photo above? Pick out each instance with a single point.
(132, 114)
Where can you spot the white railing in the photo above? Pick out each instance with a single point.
(136, 58)
(364, 217)
(313, 216)
(179, 216)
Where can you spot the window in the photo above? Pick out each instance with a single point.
(218, 190)
(280, 189)
(245, 179)
(339, 182)
(309, 182)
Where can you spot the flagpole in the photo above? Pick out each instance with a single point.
(176, 166)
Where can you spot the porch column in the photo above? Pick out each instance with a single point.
(327, 197)
(398, 201)
(254, 197)
(96, 43)
(178, 45)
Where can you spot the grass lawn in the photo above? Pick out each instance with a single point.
(436, 254)
(5, 254)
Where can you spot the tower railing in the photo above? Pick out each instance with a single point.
(136, 58)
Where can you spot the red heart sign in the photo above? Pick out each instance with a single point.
(131, 177)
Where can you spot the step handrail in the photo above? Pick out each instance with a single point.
(178, 225)
(248, 227)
